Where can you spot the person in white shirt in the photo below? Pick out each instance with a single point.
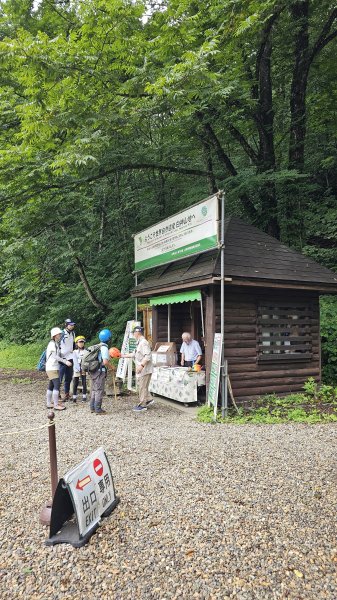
(190, 350)
(53, 362)
(78, 355)
(67, 345)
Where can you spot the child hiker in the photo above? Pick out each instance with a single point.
(78, 355)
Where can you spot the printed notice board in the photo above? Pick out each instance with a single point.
(129, 345)
(86, 492)
(213, 389)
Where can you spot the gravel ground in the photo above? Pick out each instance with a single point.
(206, 511)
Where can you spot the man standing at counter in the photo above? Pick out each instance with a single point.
(144, 368)
(190, 351)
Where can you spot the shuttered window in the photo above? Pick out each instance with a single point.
(284, 332)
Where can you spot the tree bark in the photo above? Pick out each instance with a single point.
(264, 119)
(300, 14)
(212, 186)
(102, 223)
(303, 59)
(92, 297)
(80, 269)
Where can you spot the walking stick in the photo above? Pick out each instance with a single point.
(114, 382)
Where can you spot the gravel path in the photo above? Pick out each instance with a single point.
(207, 511)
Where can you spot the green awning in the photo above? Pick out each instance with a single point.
(174, 298)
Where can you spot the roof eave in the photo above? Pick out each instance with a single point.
(254, 282)
(176, 286)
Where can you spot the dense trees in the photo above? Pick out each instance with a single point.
(115, 113)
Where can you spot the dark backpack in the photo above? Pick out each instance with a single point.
(91, 362)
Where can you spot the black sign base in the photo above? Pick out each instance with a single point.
(63, 523)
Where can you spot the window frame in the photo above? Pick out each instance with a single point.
(282, 320)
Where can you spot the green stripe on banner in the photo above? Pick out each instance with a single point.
(175, 298)
(189, 249)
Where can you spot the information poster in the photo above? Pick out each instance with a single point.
(214, 379)
(129, 344)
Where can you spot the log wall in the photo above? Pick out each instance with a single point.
(252, 375)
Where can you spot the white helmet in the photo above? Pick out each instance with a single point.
(55, 331)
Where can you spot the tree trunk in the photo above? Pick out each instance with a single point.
(212, 186)
(102, 223)
(265, 126)
(300, 13)
(92, 297)
(80, 269)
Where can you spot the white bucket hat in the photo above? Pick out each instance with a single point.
(55, 331)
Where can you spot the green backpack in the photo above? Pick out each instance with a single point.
(91, 362)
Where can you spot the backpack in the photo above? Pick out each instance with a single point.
(91, 362)
(41, 365)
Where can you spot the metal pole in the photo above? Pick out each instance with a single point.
(136, 305)
(224, 403)
(202, 318)
(52, 454)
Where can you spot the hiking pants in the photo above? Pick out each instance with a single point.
(143, 383)
(97, 390)
(76, 382)
(67, 373)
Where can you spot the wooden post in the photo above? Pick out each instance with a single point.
(52, 454)
(154, 325)
(45, 513)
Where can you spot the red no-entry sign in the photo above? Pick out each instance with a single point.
(98, 467)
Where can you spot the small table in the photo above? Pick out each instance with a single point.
(177, 383)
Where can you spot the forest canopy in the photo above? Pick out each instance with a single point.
(117, 113)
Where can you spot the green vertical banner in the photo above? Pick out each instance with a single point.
(214, 378)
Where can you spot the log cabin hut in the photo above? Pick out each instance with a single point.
(272, 330)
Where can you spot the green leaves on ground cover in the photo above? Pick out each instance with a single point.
(318, 404)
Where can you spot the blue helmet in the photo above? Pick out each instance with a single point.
(105, 335)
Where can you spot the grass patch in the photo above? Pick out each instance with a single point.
(317, 404)
(23, 357)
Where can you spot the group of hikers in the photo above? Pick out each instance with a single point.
(67, 358)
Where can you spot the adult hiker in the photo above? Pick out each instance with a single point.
(144, 369)
(53, 362)
(100, 364)
(67, 345)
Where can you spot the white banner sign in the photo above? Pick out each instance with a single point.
(214, 378)
(192, 231)
(122, 363)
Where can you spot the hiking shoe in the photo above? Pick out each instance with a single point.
(139, 408)
(101, 412)
(84, 399)
(74, 400)
(66, 398)
(149, 402)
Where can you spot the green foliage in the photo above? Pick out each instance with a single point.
(104, 105)
(329, 339)
(20, 357)
(317, 405)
